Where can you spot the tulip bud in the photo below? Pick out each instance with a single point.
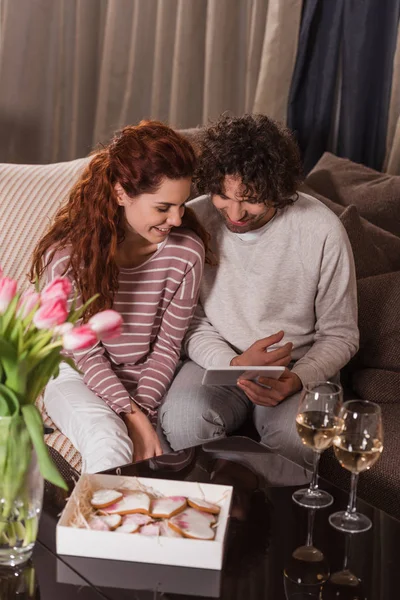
(107, 324)
(27, 303)
(62, 329)
(51, 313)
(58, 288)
(79, 338)
(8, 289)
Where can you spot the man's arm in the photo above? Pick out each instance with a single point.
(336, 337)
(204, 345)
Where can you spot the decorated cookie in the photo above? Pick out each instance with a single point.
(164, 508)
(204, 506)
(151, 529)
(167, 531)
(105, 522)
(104, 498)
(132, 502)
(191, 523)
(132, 523)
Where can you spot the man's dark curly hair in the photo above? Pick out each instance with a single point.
(255, 148)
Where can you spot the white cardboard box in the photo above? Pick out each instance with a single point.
(137, 548)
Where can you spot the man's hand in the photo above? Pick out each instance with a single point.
(279, 389)
(144, 438)
(257, 354)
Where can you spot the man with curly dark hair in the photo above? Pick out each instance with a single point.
(284, 269)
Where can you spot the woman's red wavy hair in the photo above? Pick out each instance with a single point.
(91, 222)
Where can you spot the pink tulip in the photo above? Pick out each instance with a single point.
(107, 324)
(79, 338)
(1, 272)
(51, 313)
(58, 288)
(8, 289)
(62, 329)
(27, 303)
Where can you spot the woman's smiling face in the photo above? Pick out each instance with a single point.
(152, 216)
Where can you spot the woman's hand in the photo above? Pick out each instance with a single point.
(142, 433)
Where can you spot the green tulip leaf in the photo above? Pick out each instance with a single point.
(8, 401)
(34, 424)
(9, 313)
(71, 363)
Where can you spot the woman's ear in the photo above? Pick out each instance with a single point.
(119, 190)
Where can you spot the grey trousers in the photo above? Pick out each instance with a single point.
(193, 414)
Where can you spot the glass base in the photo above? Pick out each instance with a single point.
(312, 498)
(350, 522)
(11, 557)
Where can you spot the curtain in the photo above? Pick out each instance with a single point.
(73, 71)
(341, 87)
(392, 159)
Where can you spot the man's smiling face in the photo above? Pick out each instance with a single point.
(241, 213)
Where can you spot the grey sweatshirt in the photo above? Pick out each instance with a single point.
(296, 274)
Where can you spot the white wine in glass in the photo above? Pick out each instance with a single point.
(357, 448)
(318, 422)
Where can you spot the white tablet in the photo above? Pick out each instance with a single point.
(230, 375)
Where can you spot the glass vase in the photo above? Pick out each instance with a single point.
(21, 493)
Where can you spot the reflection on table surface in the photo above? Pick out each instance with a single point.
(265, 530)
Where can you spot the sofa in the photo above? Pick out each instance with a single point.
(367, 203)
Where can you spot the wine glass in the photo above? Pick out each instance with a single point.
(344, 584)
(357, 447)
(307, 568)
(318, 422)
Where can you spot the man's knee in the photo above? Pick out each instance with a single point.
(189, 422)
(277, 429)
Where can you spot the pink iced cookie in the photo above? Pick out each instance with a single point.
(132, 523)
(132, 502)
(104, 523)
(164, 508)
(204, 506)
(191, 523)
(151, 529)
(167, 531)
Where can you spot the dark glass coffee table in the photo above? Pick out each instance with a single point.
(266, 551)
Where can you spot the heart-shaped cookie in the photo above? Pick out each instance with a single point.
(104, 498)
(164, 508)
(204, 506)
(132, 502)
(193, 524)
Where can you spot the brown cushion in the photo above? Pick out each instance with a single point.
(377, 385)
(376, 195)
(376, 366)
(369, 259)
(386, 243)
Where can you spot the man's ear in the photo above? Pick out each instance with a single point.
(119, 190)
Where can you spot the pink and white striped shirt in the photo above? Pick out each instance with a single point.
(156, 300)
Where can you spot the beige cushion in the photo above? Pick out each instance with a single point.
(29, 197)
(58, 440)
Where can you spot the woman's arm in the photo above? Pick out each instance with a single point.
(98, 374)
(160, 365)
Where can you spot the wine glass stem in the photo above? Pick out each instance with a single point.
(311, 515)
(314, 481)
(351, 508)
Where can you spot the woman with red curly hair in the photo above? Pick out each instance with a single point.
(125, 234)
